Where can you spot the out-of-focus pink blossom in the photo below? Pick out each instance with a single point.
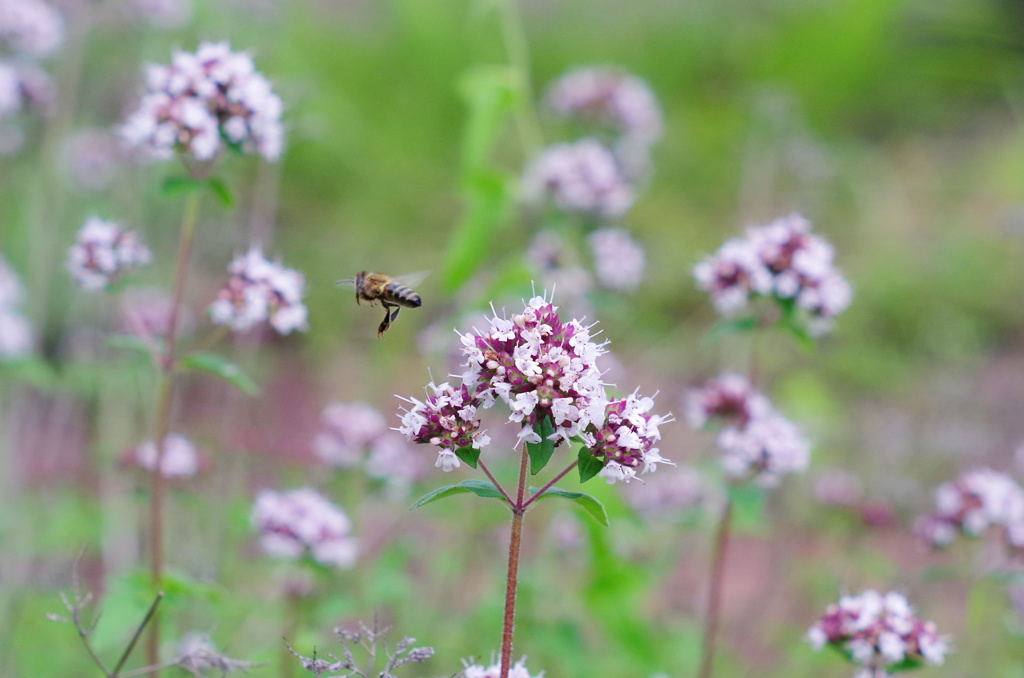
(31, 28)
(973, 503)
(103, 252)
(618, 259)
(178, 459)
(260, 291)
(301, 522)
(581, 177)
(15, 331)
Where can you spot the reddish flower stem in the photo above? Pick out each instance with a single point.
(162, 420)
(547, 485)
(515, 541)
(711, 616)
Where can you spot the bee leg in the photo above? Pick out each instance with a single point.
(386, 323)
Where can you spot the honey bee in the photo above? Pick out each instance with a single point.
(391, 293)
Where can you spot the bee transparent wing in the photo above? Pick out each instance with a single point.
(410, 279)
(349, 281)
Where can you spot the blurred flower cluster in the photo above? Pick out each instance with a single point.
(355, 434)
(204, 102)
(756, 442)
(879, 633)
(301, 522)
(260, 291)
(15, 331)
(782, 261)
(544, 370)
(178, 458)
(973, 503)
(30, 30)
(595, 177)
(103, 252)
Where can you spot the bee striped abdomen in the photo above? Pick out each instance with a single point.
(397, 293)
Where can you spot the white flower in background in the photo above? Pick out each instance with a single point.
(30, 27)
(783, 261)
(179, 458)
(611, 97)
(299, 522)
(618, 259)
(517, 670)
(973, 503)
(24, 88)
(347, 432)
(15, 330)
(582, 177)
(878, 632)
(90, 158)
(204, 102)
(260, 291)
(163, 13)
(103, 252)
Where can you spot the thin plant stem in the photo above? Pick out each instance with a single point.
(514, 542)
(494, 481)
(711, 616)
(162, 416)
(150, 616)
(547, 485)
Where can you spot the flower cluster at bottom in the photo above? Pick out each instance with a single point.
(878, 632)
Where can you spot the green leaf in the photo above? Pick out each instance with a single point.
(791, 322)
(135, 344)
(728, 327)
(221, 367)
(540, 453)
(222, 193)
(588, 503)
(589, 465)
(480, 488)
(178, 186)
(487, 198)
(470, 455)
(489, 92)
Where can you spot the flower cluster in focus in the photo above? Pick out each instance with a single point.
(203, 102)
(783, 261)
(879, 633)
(103, 252)
(299, 522)
(178, 459)
(973, 503)
(446, 419)
(260, 291)
(546, 372)
(756, 442)
(15, 331)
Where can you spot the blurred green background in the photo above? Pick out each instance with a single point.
(892, 124)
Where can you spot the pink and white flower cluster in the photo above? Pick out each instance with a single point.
(178, 459)
(625, 440)
(354, 434)
(878, 632)
(22, 88)
(783, 261)
(447, 420)
(973, 503)
(300, 522)
(756, 442)
(581, 177)
(542, 369)
(260, 291)
(103, 252)
(15, 331)
(203, 102)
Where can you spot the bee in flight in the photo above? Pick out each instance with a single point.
(391, 293)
